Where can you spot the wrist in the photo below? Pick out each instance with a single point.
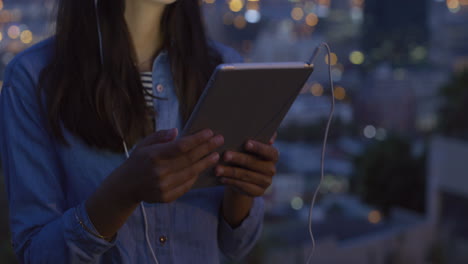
(123, 190)
(236, 207)
(110, 205)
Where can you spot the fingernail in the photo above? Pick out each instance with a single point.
(249, 145)
(218, 140)
(228, 156)
(215, 157)
(208, 133)
(219, 171)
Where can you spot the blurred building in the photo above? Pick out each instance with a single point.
(412, 49)
(449, 35)
(447, 196)
(348, 232)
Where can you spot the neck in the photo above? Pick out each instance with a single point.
(144, 23)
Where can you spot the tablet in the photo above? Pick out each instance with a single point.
(246, 101)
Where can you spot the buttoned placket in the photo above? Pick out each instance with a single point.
(160, 86)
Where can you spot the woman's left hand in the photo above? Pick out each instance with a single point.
(250, 173)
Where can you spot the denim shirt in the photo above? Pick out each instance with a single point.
(47, 184)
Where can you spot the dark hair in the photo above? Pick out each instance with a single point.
(83, 94)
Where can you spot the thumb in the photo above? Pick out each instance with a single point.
(161, 136)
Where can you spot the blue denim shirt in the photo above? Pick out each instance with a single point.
(47, 184)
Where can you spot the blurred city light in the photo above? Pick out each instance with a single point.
(374, 217)
(236, 5)
(252, 16)
(312, 19)
(297, 203)
(297, 13)
(356, 57)
(381, 134)
(13, 32)
(26, 36)
(370, 131)
(316, 89)
(340, 93)
(334, 59)
(239, 22)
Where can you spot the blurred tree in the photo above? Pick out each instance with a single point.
(388, 175)
(452, 116)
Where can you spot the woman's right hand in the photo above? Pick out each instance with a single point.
(161, 169)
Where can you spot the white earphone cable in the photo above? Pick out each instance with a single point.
(322, 161)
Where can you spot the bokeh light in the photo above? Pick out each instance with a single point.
(239, 22)
(316, 89)
(334, 59)
(26, 37)
(14, 32)
(374, 217)
(340, 93)
(356, 57)
(297, 203)
(312, 19)
(252, 16)
(370, 131)
(297, 13)
(236, 5)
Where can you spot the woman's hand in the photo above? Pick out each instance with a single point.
(252, 173)
(162, 169)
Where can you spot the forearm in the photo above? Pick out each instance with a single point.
(236, 207)
(110, 205)
(240, 225)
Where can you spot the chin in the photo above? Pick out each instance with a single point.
(166, 2)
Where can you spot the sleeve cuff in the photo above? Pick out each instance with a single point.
(78, 239)
(237, 242)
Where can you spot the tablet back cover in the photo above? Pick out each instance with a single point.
(244, 103)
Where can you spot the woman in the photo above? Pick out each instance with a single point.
(69, 103)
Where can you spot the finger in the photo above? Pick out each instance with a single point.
(245, 187)
(161, 136)
(250, 162)
(265, 151)
(176, 148)
(181, 189)
(273, 138)
(196, 153)
(186, 174)
(240, 174)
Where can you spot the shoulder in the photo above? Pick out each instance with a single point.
(228, 54)
(27, 65)
(22, 73)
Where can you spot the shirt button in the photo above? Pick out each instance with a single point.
(160, 88)
(162, 239)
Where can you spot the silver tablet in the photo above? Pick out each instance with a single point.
(246, 101)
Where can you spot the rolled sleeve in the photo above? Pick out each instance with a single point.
(236, 243)
(84, 244)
